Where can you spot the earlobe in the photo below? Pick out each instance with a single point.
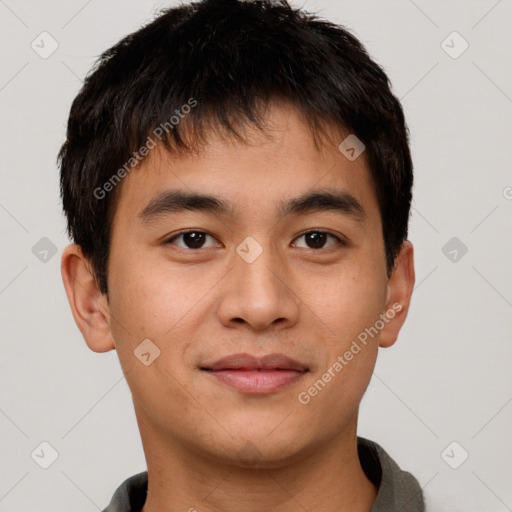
(88, 305)
(400, 287)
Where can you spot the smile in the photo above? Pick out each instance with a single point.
(253, 375)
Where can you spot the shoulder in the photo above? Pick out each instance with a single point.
(130, 496)
(398, 489)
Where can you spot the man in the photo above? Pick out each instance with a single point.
(237, 183)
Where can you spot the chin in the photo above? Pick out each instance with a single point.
(262, 448)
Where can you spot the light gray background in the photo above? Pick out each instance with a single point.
(448, 377)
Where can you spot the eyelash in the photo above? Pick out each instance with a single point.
(340, 241)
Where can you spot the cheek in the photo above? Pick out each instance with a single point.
(154, 300)
(149, 303)
(145, 304)
(348, 299)
(347, 305)
(150, 298)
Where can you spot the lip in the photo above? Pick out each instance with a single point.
(253, 375)
(247, 362)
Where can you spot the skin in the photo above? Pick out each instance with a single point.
(207, 445)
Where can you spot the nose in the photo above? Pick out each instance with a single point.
(259, 294)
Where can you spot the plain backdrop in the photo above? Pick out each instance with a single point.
(442, 393)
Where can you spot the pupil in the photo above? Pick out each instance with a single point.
(194, 240)
(315, 239)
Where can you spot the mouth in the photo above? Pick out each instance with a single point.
(252, 375)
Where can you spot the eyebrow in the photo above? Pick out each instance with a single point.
(175, 201)
(312, 202)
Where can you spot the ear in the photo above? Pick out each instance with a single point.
(88, 305)
(400, 287)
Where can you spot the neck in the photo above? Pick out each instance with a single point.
(330, 478)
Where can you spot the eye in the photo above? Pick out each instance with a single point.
(193, 240)
(318, 240)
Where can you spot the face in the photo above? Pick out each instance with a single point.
(280, 268)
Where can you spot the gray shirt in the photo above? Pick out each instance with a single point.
(399, 491)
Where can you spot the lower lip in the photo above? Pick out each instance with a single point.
(257, 382)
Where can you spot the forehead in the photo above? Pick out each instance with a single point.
(254, 175)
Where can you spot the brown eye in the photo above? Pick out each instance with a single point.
(192, 240)
(315, 239)
(318, 240)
